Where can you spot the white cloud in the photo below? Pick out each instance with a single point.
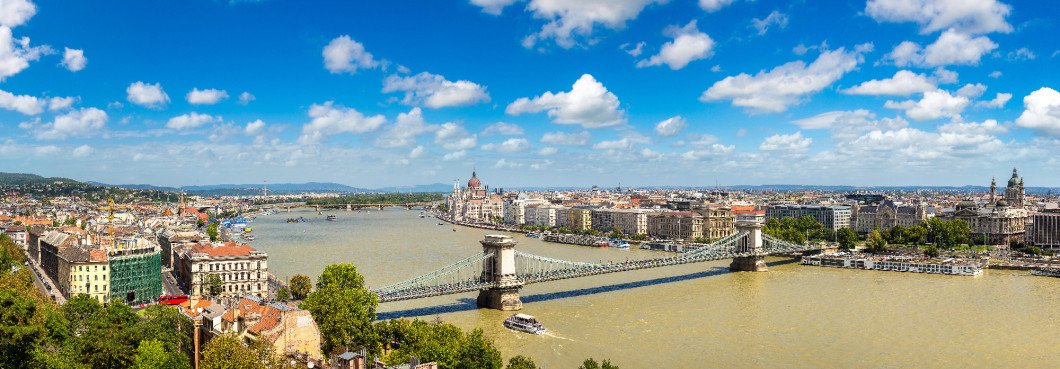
(15, 54)
(848, 125)
(25, 104)
(14, 13)
(492, 6)
(74, 59)
(254, 128)
(453, 136)
(206, 97)
(1022, 54)
(712, 151)
(762, 25)
(246, 98)
(934, 105)
(417, 152)
(671, 126)
(144, 94)
(635, 51)
(714, 5)
(588, 104)
(972, 91)
(944, 76)
(509, 146)
(546, 151)
(1042, 111)
(785, 85)
(995, 74)
(504, 163)
(83, 151)
(998, 102)
(190, 120)
(688, 45)
(542, 165)
(968, 16)
(502, 129)
(567, 139)
(951, 48)
(343, 54)
(904, 83)
(329, 119)
(47, 150)
(77, 123)
(434, 91)
(405, 129)
(624, 143)
(572, 21)
(60, 103)
(455, 155)
(792, 142)
(989, 127)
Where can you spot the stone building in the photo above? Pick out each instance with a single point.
(1001, 224)
(242, 269)
(628, 221)
(290, 329)
(1045, 233)
(832, 217)
(886, 215)
(172, 237)
(83, 269)
(475, 203)
(580, 218)
(676, 225)
(717, 221)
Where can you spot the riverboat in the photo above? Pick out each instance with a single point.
(619, 244)
(248, 237)
(1046, 272)
(525, 323)
(896, 264)
(332, 217)
(296, 220)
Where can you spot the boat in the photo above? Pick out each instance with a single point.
(296, 220)
(525, 323)
(619, 244)
(1046, 272)
(441, 223)
(333, 217)
(248, 237)
(896, 263)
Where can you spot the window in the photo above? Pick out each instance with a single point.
(95, 268)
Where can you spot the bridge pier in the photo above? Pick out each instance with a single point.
(751, 243)
(504, 294)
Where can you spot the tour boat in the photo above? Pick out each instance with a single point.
(896, 263)
(525, 323)
(333, 217)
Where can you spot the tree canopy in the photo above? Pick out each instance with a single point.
(440, 342)
(300, 286)
(343, 309)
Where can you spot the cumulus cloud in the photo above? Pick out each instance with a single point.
(83, 122)
(671, 126)
(405, 129)
(546, 151)
(509, 146)
(190, 120)
(968, 16)
(205, 97)
(762, 25)
(785, 85)
(972, 91)
(148, 95)
(455, 155)
(624, 143)
(714, 5)
(711, 151)
(329, 119)
(571, 23)
(567, 139)
(951, 48)
(434, 91)
(15, 54)
(60, 103)
(14, 13)
(453, 136)
(910, 144)
(246, 98)
(633, 51)
(74, 59)
(988, 127)
(1041, 111)
(492, 6)
(83, 151)
(688, 45)
(344, 55)
(998, 102)
(935, 104)
(502, 129)
(792, 142)
(995, 74)
(254, 128)
(588, 104)
(848, 125)
(904, 83)
(25, 104)
(417, 152)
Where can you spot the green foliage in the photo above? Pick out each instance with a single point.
(847, 238)
(440, 342)
(212, 231)
(876, 243)
(152, 354)
(932, 251)
(17, 329)
(165, 324)
(521, 362)
(639, 237)
(214, 284)
(796, 230)
(915, 234)
(229, 352)
(895, 235)
(947, 234)
(24, 179)
(283, 294)
(343, 309)
(443, 208)
(300, 286)
(590, 363)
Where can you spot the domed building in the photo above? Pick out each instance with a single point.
(474, 203)
(1002, 220)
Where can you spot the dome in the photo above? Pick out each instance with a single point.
(966, 204)
(1002, 203)
(1015, 180)
(474, 182)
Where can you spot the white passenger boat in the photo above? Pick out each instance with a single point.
(896, 263)
(525, 323)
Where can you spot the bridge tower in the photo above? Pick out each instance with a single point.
(500, 270)
(751, 243)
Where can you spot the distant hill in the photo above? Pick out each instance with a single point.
(19, 179)
(136, 186)
(284, 187)
(434, 187)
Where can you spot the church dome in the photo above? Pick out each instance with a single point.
(1002, 203)
(966, 204)
(1015, 180)
(474, 182)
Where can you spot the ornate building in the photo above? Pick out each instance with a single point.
(1001, 220)
(474, 203)
(885, 216)
(1014, 193)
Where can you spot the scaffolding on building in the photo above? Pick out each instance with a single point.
(135, 274)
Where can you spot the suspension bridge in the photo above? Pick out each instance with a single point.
(500, 270)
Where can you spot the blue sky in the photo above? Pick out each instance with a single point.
(531, 93)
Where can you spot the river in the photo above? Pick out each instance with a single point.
(695, 315)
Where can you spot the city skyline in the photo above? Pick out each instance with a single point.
(531, 93)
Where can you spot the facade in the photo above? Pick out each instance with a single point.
(242, 269)
(1015, 193)
(135, 270)
(52, 243)
(628, 221)
(1000, 224)
(1045, 233)
(84, 270)
(886, 215)
(541, 216)
(515, 211)
(290, 329)
(832, 217)
(717, 221)
(580, 218)
(17, 234)
(676, 225)
(171, 237)
(475, 203)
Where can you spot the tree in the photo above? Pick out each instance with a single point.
(212, 231)
(876, 242)
(80, 311)
(300, 286)
(440, 342)
(592, 364)
(343, 309)
(847, 237)
(521, 362)
(151, 354)
(283, 294)
(18, 332)
(214, 284)
(169, 327)
(228, 352)
(932, 251)
(896, 235)
(915, 234)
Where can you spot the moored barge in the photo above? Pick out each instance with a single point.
(896, 263)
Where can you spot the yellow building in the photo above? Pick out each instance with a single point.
(579, 218)
(84, 270)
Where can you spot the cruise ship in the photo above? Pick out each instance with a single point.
(525, 323)
(896, 263)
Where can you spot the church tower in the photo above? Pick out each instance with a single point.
(1015, 192)
(993, 190)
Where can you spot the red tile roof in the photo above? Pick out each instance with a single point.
(228, 249)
